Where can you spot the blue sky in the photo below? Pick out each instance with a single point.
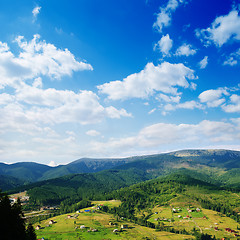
(106, 79)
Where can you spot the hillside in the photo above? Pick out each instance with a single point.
(180, 203)
(8, 182)
(28, 172)
(176, 206)
(199, 164)
(221, 167)
(80, 186)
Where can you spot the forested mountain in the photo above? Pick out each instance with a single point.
(221, 167)
(198, 164)
(27, 172)
(9, 182)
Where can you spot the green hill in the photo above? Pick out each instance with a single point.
(176, 206)
(32, 172)
(8, 182)
(201, 165)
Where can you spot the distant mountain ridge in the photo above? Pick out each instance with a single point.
(33, 172)
(220, 168)
(215, 166)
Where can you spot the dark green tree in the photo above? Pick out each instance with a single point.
(30, 232)
(12, 224)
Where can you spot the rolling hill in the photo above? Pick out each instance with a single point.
(27, 172)
(211, 166)
(219, 167)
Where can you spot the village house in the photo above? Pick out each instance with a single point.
(124, 226)
(38, 227)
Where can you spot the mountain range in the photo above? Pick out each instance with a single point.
(97, 176)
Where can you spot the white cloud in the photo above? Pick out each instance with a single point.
(164, 45)
(38, 83)
(93, 133)
(162, 136)
(234, 106)
(36, 58)
(152, 111)
(44, 58)
(185, 50)
(166, 98)
(6, 98)
(165, 15)
(64, 106)
(35, 12)
(189, 105)
(164, 78)
(185, 105)
(233, 58)
(40, 118)
(204, 62)
(213, 98)
(52, 164)
(222, 29)
(230, 61)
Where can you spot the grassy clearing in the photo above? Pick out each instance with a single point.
(205, 221)
(18, 195)
(110, 203)
(70, 228)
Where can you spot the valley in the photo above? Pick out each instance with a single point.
(190, 194)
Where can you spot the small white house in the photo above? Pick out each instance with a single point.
(82, 227)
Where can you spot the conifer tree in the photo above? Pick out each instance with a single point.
(31, 235)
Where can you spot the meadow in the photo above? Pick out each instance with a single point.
(68, 226)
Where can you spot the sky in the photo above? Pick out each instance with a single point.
(116, 79)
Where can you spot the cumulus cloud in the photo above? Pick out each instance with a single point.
(185, 50)
(165, 15)
(167, 98)
(28, 107)
(164, 45)
(203, 63)
(165, 135)
(226, 98)
(221, 30)
(185, 105)
(64, 106)
(212, 97)
(36, 58)
(234, 105)
(165, 78)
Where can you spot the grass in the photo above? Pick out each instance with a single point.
(110, 203)
(16, 195)
(198, 221)
(69, 228)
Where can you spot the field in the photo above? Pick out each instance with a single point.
(70, 226)
(205, 221)
(18, 195)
